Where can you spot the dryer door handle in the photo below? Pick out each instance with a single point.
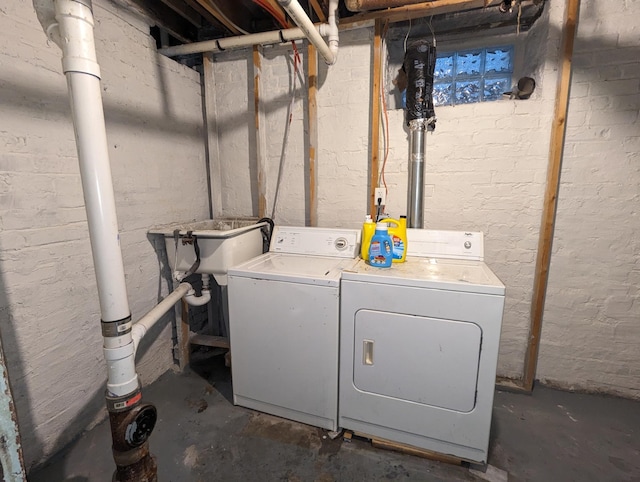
(367, 352)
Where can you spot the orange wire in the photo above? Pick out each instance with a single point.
(386, 120)
(283, 23)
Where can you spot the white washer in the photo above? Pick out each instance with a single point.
(284, 324)
(419, 346)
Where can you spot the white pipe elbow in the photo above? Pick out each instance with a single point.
(193, 300)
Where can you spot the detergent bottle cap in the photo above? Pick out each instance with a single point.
(381, 226)
(368, 219)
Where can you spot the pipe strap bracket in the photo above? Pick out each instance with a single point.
(112, 329)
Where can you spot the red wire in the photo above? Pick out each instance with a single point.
(283, 23)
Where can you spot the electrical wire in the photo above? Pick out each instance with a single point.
(287, 130)
(433, 35)
(385, 115)
(407, 36)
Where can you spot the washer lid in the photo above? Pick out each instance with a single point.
(317, 270)
(434, 273)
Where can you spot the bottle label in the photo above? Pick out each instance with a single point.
(380, 253)
(398, 247)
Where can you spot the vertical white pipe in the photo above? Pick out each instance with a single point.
(75, 24)
(302, 20)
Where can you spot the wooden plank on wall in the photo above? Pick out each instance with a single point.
(211, 134)
(551, 192)
(312, 126)
(375, 115)
(261, 134)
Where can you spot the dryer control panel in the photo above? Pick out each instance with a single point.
(339, 243)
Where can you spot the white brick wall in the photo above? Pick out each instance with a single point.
(591, 325)
(49, 313)
(486, 169)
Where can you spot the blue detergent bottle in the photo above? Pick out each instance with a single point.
(381, 247)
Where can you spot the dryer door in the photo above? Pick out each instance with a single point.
(414, 358)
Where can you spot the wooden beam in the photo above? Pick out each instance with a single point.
(276, 6)
(418, 10)
(183, 348)
(205, 14)
(554, 168)
(217, 14)
(185, 11)
(375, 115)
(319, 11)
(312, 128)
(162, 16)
(237, 12)
(261, 134)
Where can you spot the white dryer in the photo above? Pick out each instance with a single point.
(284, 324)
(419, 346)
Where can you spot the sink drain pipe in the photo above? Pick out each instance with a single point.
(419, 64)
(69, 23)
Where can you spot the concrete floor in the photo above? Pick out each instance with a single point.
(201, 436)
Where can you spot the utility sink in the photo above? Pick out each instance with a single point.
(223, 242)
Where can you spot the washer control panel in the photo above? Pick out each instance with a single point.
(340, 243)
(430, 243)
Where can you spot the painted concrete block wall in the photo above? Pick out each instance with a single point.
(485, 168)
(49, 312)
(591, 328)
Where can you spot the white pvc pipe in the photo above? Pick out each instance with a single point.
(201, 300)
(313, 32)
(151, 318)
(83, 77)
(231, 43)
(74, 35)
(302, 20)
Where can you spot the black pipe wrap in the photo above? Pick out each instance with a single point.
(419, 64)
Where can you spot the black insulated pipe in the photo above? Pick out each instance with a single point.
(419, 64)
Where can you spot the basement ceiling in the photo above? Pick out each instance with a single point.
(178, 22)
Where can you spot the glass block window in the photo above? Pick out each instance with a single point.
(470, 76)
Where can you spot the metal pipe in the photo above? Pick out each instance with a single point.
(415, 197)
(302, 20)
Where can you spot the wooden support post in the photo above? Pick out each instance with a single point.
(183, 335)
(312, 128)
(551, 192)
(211, 136)
(261, 134)
(375, 115)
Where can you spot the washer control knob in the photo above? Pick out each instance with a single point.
(467, 244)
(341, 244)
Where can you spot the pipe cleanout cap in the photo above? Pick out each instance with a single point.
(419, 65)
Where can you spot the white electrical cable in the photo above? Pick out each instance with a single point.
(407, 36)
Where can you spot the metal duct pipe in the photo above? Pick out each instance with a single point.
(419, 64)
(415, 193)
